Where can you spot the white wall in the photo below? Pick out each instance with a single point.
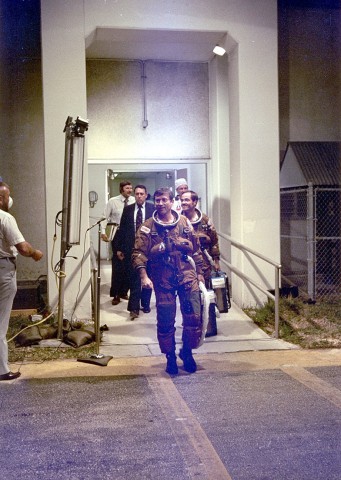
(64, 94)
(176, 101)
(255, 209)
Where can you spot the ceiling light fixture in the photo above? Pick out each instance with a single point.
(219, 50)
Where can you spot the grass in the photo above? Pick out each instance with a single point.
(33, 353)
(307, 325)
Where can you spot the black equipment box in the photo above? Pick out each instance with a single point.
(28, 296)
(220, 286)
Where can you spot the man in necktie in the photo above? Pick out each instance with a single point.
(132, 218)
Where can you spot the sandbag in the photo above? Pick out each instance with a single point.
(48, 331)
(78, 338)
(30, 336)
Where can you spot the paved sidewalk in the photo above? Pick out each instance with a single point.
(126, 338)
(243, 416)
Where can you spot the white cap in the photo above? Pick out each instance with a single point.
(180, 181)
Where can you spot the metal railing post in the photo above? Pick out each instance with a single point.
(277, 302)
(247, 279)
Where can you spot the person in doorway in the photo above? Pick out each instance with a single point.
(132, 218)
(113, 213)
(11, 242)
(209, 245)
(167, 244)
(180, 187)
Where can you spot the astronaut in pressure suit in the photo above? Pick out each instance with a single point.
(168, 257)
(208, 240)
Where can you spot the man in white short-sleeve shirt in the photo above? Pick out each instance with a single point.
(12, 242)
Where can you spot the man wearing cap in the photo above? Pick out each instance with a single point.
(181, 186)
(11, 242)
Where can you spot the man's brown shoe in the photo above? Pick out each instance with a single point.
(116, 300)
(134, 314)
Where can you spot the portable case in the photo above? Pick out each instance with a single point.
(220, 286)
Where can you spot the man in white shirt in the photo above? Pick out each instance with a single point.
(11, 242)
(113, 213)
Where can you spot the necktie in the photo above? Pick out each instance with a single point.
(125, 202)
(138, 217)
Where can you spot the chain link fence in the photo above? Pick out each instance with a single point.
(311, 241)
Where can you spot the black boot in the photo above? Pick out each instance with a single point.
(189, 363)
(172, 368)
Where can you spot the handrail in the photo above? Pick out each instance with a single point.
(238, 272)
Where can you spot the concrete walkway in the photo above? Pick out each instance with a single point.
(126, 338)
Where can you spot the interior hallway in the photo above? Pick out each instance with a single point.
(126, 338)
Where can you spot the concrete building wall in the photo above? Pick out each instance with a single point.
(254, 216)
(64, 94)
(176, 108)
(21, 139)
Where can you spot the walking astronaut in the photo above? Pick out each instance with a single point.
(208, 240)
(168, 257)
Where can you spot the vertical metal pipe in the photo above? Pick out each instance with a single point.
(277, 278)
(98, 292)
(65, 218)
(61, 290)
(143, 76)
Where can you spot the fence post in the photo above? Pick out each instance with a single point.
(311, 242)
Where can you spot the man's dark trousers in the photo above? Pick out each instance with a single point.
(137, 293)
(119, 277)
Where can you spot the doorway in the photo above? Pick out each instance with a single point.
(105, 177)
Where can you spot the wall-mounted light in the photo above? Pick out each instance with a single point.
(112, 175)
(219, 50)
(168, 176)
